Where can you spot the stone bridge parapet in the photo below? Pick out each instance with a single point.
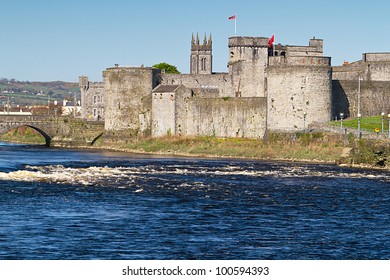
(57, 131)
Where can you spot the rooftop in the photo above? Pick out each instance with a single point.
(166, 88)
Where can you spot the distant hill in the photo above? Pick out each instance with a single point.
(36, 93)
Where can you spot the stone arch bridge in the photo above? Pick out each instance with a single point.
(57, 131)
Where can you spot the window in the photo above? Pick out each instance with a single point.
(203, 64)
(94, 99)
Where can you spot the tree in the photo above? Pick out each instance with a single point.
(167, 67)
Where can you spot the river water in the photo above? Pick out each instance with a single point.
(74, 204)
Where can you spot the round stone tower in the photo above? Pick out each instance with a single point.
(299, 92)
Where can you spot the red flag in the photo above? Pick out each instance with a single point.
(232, 17)
(271, 41)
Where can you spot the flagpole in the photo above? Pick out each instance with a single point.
(234, 17)
(235, 25)
(273, 46)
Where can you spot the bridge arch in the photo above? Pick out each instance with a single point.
(44, 134)
(96, 138)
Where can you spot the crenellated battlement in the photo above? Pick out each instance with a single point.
(376, 57)
(248, 42)
(300, 61)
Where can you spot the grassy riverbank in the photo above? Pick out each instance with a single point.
(300, 147)
(309, 147)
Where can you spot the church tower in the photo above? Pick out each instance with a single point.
(201, 61)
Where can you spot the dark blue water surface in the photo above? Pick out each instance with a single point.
(67, 204)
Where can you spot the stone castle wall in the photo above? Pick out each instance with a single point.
(299, 61)
(374, 98)
(220, 82)
(374, 74)
(177, 112)
(298, 96)
(169, 110)
(226, 117)
(367, 71)
(128, 102)
(378, 57)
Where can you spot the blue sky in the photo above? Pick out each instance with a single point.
(45, 40)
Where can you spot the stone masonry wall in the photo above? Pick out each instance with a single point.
(374, 98)
(380, 57)
(128, 102)
(368, 71)
(298, 96)
(163, 113)
(220, 82)
(226, 117)
(169, 112)
(92, 99)
(248, 58)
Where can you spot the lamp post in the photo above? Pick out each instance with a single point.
(48, 104)
(341, 122)
(359, 133)
(383, 122)
(358, 109)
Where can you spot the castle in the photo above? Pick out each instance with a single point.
(278, 88)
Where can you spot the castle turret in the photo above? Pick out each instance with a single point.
(247, 62)
(84, 86)
(317, 43)
(201, 61)
(299, 87)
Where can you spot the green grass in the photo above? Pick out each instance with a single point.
(301, 147)
(366, 123)
(23, 135)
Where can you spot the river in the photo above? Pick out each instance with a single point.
(76, 204)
